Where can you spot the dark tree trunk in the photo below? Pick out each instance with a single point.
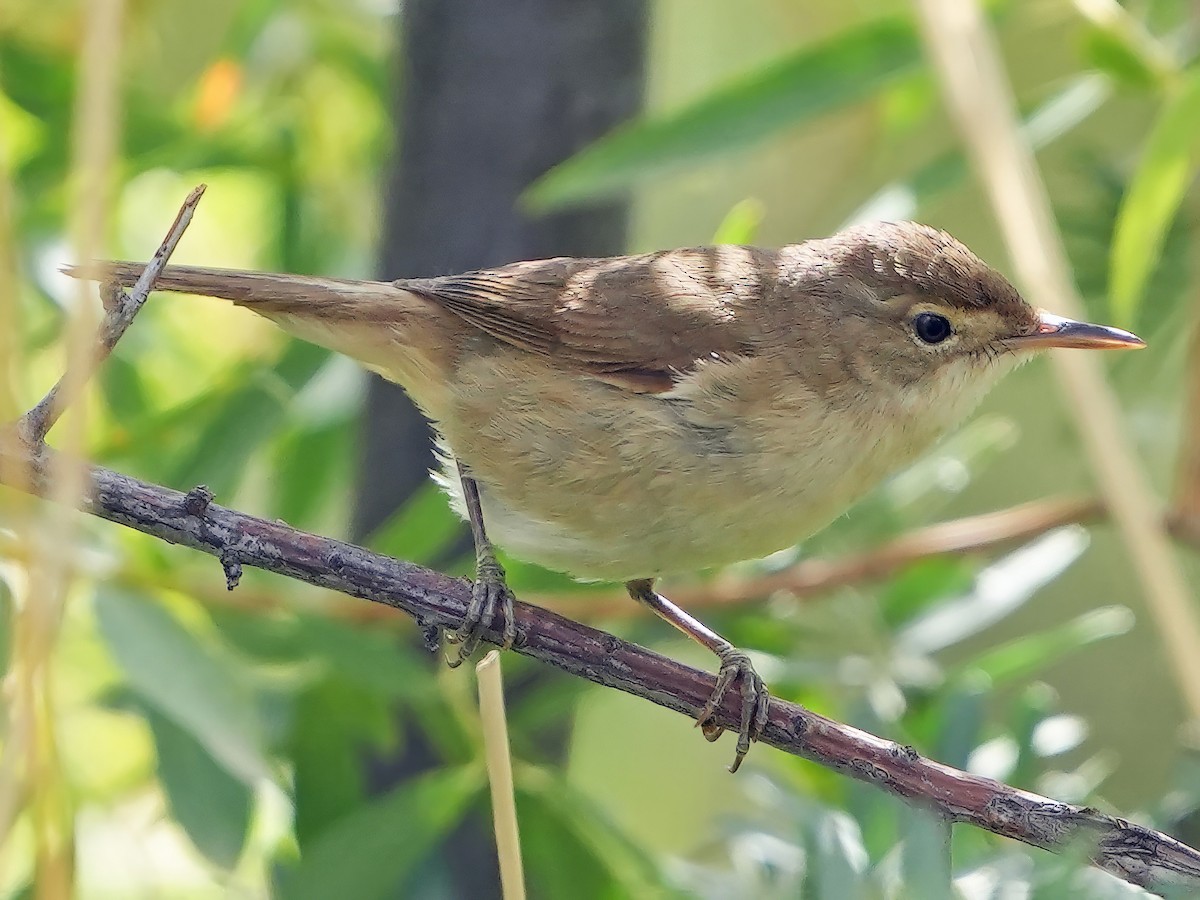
(491, 95)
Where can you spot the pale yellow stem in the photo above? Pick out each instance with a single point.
(500, 776)
(52, 532)
(980, 98)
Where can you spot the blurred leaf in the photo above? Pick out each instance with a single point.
(306, 463)
(1120, 45)
(379, 661)
(906, 198)
(1027, 655)
(741, 223)
(1000, 590)
(1032, 707)
(244, 420)
(572, 849)
(333, 724)
(957, 720)
(123, 390)
(373, 850)
(817, 79)
(925, 855)
(212, 806)
(1108, 53)
(837, 859)
(924, 584)
(172, 670)
(1155, 193)
(1088, 222)
(421, 530)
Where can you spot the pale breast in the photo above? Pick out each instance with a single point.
(586, 478)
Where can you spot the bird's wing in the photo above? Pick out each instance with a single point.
(635, 321)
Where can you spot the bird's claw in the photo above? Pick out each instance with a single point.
(735, 665)
(489, 595)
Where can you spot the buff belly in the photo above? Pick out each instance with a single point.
(590, 479)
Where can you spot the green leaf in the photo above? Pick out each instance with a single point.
(171, 669)
(817, 79)
(925, 855)
(1000, 590)
(741, 223)
(1045, 124)
(572, 849)
(1121, 45)
(124, 391)
(212, 806)
(838, 861)
(334, 722)
(370, 852)
(1104, 50)
(244, 420)
(1154, 196)
(421, 530)
(958, 719)
(1023, 657)
(923, 585)
(308, 463)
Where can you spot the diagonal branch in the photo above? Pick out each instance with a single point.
(1129, 851)
(121, 309)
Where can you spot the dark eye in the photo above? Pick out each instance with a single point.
(932, 328)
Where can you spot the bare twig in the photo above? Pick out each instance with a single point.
(121, 308)
(500, 775)
(980, 99)
(1132, 852)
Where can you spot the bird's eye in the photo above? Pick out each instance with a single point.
(932, 328)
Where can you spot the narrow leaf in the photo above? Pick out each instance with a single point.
(925, 854)
(370, 852)
(172, 670)
(740, 225)
(212, 806)
(1155, 193)
(817, 79)
(1022, 657)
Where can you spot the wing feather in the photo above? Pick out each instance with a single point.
(636, 321)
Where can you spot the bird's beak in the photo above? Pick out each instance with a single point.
(1055, 331)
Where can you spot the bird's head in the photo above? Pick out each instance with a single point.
(919, 305)
(918, 319)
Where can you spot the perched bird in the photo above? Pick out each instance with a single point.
(636, 416)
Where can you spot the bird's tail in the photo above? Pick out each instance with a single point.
(266, 293)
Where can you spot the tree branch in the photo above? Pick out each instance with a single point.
(1129, 851)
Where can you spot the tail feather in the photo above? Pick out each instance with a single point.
(262, 291)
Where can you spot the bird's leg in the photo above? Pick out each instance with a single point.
(734, 664)
(489, 592)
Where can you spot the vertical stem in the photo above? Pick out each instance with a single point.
(980, 99)
(500, 776)
(1187, 481)
(40, 608)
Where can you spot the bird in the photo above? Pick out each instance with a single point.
(632, 417)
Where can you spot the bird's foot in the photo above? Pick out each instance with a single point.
(735, 665)
(489, 595)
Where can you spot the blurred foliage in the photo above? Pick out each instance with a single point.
(215, 744)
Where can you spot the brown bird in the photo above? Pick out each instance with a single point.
(636, 416)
